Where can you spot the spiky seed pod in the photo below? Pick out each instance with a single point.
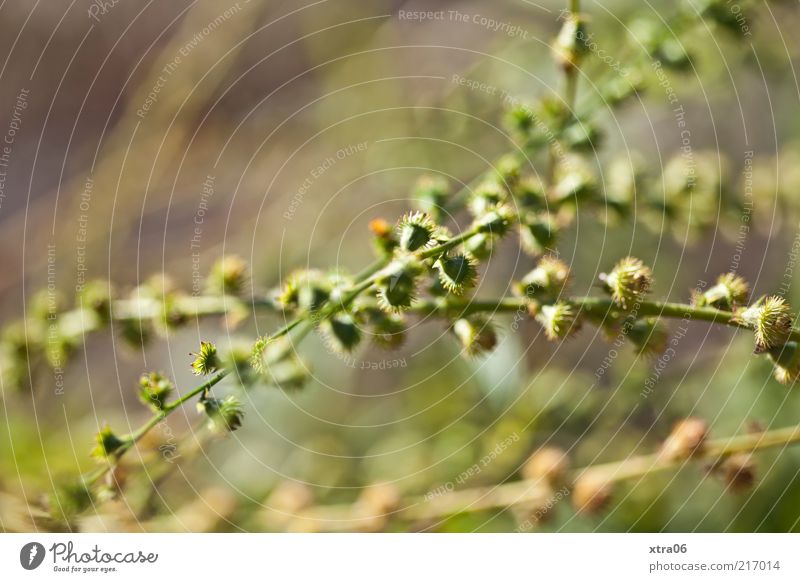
(341, 332)
(591, 492)
(574, 180)
(559, 320)
(508, 170)
(267, 351)
(238, 360)
(480, 246)
(476, 334)
(206, 360)
(496, 221)
(171, 316)
(224, 415)
(108, 445)
(570, 46)
(739, 472)
(228, 276)
(457, 273)
(388, 330)
(771, 320)
(688, 437)
(531, 194)
(624, 177)
(384, 239)
(137, 332)
(415, 231)
(154, 390)
(486, 196)
(548, 464)
(289, 374)
(583, 135)
(730, 292)
(430, 194)
(628, 282)
(397, 287)
(97, 295)
(648, 335)
(306, 290)
(546, 282)
(787, 362)
(68, 500)
(538, 233)
(520, 119)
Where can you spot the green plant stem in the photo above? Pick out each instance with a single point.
(533, 493)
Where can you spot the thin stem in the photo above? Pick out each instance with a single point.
(532, 493)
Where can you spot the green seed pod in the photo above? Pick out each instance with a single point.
(574, 180)
(431, 194)
(154, 390)
(397, 287)
(223, 415)
(560, 320)
(648, 335)
(68, 500)
(496, 222)
(487, 196)
(531, 194)
(457, 273)
(480, 246)
(137, 332)
(388, 330)
(108, 445)
(476, 334)
(538, 233)
(289, 374)
(584, 135)
(730, 292)
(624, 182)
(415, 231)
(771, 319)
(546, 282)
(97, 296)
(628, 282)
(508, 170)
(787, 362)
(341, 332)
(46, 305)
(228, 276)
(206, 360)
(520, 119)
(238, 361)
(307, 290)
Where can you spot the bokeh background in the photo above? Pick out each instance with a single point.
(143, 122)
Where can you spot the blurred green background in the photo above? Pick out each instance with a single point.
(270, 107)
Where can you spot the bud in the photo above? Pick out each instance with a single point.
(739, 472)
(341, 332)
(397, 286)
(648, 335)
(628, 282)
(496, 221)
(559, 320)
(223, 415)
(574, 180)
(730, 292)
(531, 194)
(771, 319)
(508, 170)
(385, 241)
(228, 276)
(206, 360)
(592, 492)
(476, 334)
(546, 282)
(108, 445)
(487, 196)
(537, 233)
(570, 46)
(415, 231)
(549, 464)
(457, 273)
(624, 177)
(154, 390)
(431, 193)
(688, 437)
